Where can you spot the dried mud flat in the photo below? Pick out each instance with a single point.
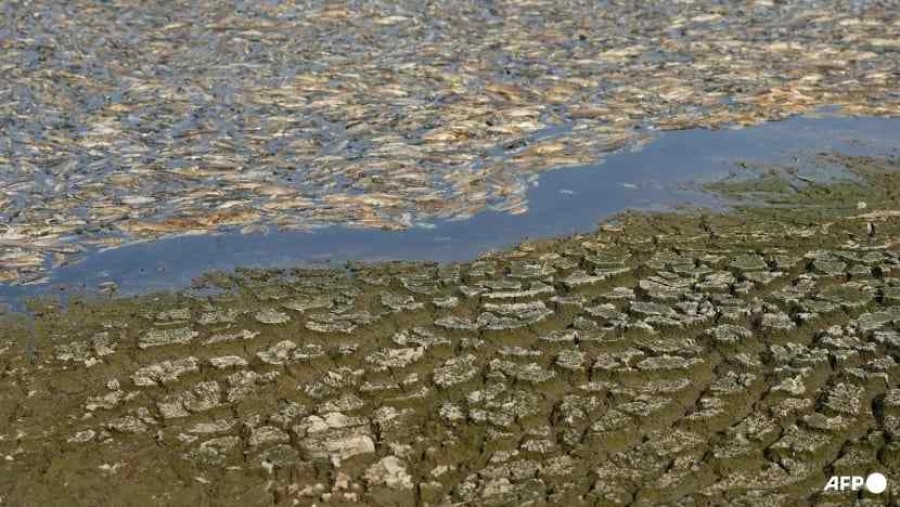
(695, 358)
(124, 121)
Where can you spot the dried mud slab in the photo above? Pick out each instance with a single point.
(696, 358)
(124, 122)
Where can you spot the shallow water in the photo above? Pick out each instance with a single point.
(659, 175)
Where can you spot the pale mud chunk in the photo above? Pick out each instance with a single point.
(454, 322)
(202, 397)
(877, 320)
(267, 435)
(470, 292)
(801, 288)
(756, 427)
(164, 372)
(174, 315)
(160, 337)
(127, 424)
(617, 361)
(455, 371)
(243, 334)
(792, 406)
(212, 452)
(611, 420)
(279, 353)
(829, 268)
(822, 422)
(309, 352)
(395, 358)
(606, 273)
(796, 441)
(278, 457)
(517, 351)
(445, 302)
(671, 442)
(571, 359)
(560, 466)
(794, 386)
(346, 403)
(76, 351)
(531, 372)
(216, 317)
(845, 399)
(891, 294)
(451, 412)
(619, 294)
(891, 338)
(304, 303)
(107, 401)
(338, 323)
(645, 405)
(224, 362)
(785, 262)
(749, 262)
(394, 424)
(708, 407)
(100, 344)
(333, 380)
(418, 336)
(659, 345)
(848, 295)
(575, 301)
(271, 316)
(535, 289)
(565, 336)
(716, 281)
(287, 412)
(206, 428)
(103, 344)
(530, 269)
(575, 409)
(222, 444)
(762, 277)
(650, 309)
(881, 364)
(607, 312)
(664, 290)
(371, 386)
(335, 436)
(732, 383)
(730, 334)
(400, 303)
(82, 436)
(389, 472)
(243, 382)
(668, 362)
(777, 321)
(581, 278)
(506, 408)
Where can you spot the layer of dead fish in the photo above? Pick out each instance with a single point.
(169, 119)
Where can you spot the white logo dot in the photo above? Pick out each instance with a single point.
(876, 483)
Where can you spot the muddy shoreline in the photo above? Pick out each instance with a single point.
(665, 358)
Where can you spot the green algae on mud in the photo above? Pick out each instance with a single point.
(703, 356)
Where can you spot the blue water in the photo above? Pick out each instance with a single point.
(560, 202)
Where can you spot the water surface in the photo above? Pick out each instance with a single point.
(661, 174)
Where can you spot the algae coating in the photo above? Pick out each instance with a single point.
(736, 357)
